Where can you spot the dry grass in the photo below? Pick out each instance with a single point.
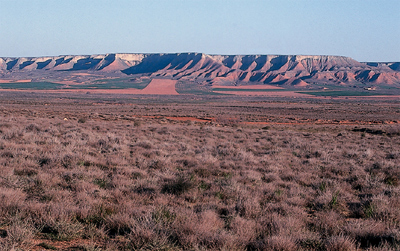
(105, 182)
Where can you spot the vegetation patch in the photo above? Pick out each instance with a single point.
(79, 174)
(32, 86)
(249, 90)
(343, 93)
(183, 87)
(113, 84)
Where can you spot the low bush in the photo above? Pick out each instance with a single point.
(109, 183)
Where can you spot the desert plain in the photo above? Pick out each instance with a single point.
(199, 152)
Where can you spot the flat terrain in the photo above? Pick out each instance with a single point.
(92, 171)
(152, 87)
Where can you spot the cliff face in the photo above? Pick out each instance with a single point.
(280, 69)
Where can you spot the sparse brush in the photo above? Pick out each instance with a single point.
(20, 231)
(127, 178)
(340, 243)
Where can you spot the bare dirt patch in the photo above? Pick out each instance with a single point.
(161, 87)
(188, 119)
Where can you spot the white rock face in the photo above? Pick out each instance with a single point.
(3, 65)
(130, 57)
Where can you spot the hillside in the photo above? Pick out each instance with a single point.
(287, 70)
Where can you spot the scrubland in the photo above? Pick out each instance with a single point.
(79, 176)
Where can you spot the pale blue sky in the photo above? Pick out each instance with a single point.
(365, 30)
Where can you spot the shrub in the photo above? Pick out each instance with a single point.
(20, 231)
(177, 186)
(173, 185)
(81, 120)
(32, 128)
(340, 243)
(163, 216)
(62, 229)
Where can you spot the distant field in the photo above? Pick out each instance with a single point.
(97, 84)
(250, 90)
(31, 86)
(339, 93)
(113, 84)
(331, 93)
(131, 85)
(183, 87)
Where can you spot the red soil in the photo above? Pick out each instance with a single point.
(161, 86)
(318, 122)
(188, 119)
(178, 118)
(294, 122)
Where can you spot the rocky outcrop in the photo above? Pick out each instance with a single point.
(295, 70)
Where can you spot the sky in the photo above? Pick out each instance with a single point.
(366, 30)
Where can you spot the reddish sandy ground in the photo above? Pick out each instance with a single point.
(194, 119)
(261, 123)
(161, 86)
(318, 122)
(249, 87)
